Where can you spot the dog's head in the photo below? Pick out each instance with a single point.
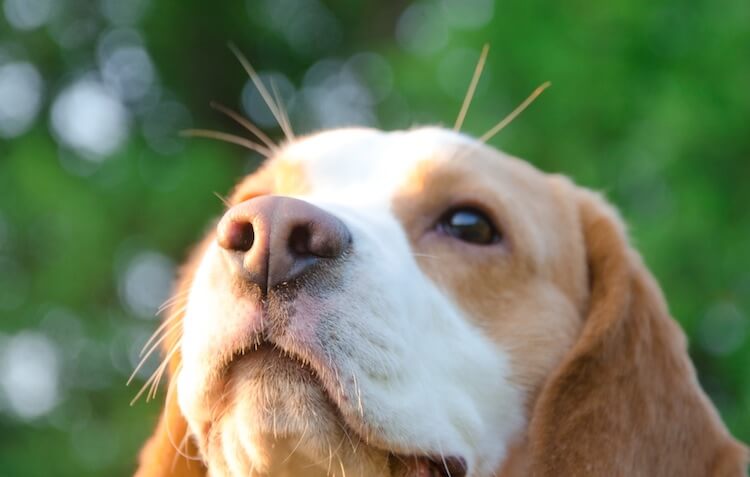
(416, 303)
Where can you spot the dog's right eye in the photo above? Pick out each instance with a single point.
(469, 225)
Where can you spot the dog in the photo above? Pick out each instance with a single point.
(417, 303)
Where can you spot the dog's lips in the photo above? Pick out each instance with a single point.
(410, 465)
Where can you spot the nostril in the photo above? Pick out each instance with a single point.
(275, 239)
(299, 240)
(321, 238)
(238, 236)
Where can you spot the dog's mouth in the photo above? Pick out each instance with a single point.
(313, 373)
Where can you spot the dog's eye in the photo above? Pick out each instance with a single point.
(469, 225)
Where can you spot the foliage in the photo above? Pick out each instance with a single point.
(648, 102)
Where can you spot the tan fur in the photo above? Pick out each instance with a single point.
(279, 177)
(159, 456)
(529, 296)
(610, 389)
(625, 400)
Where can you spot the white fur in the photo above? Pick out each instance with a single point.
(426, 379)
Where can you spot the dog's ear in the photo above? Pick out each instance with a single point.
(160, 456)
(625, 401)
(170, 452)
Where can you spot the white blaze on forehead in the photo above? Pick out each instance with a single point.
(451, 392)
(425, 379)
(367, 165)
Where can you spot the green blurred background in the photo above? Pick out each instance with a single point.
(100, 198)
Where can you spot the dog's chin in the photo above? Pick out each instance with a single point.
(276, 419)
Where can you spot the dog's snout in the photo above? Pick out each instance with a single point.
(278, 238)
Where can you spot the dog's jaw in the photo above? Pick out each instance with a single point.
(393, 367)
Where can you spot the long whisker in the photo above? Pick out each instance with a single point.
(154, 346)
(472, 88)
(170, 301)
(167, 322)
(282, 110)
(160, 371)
(272, 106)
(510, 117)
(157, 373)
(223, 199)
(245, 123)
(230, 138)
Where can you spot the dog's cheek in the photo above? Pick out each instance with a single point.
(416, 355)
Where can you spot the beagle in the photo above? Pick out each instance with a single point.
(416, 303)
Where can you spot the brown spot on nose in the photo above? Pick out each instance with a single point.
(276, 239)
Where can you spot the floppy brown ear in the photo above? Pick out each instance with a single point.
(626, 400)
(159, 456)
(168, 452)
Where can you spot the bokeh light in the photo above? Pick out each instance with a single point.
(20, 97)
(334, 95)
(124, 13)
(125, 66)
(468, 13)
(28, 14)
(145, 283)
(101, 199)
(422, 30)
(29, 374)
(90, 118)
(308, 26)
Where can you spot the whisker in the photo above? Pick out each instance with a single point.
(442, 459)
(178, 447)
(230, 138)
(472, 87)
(424, 255)
(245, 123)
(176, 313)
(165, 324)
(223, 199)
(151, 350)
(273, 107)
(519, 109)
(282, 110)
(171, 300)
(161, 370)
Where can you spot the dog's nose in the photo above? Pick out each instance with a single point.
(278, 238)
